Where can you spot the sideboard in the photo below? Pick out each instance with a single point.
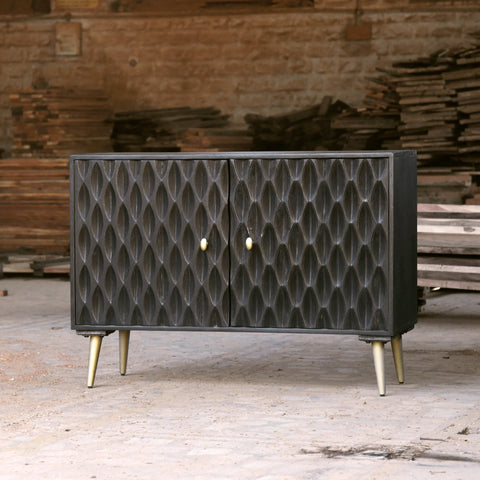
(307, 242)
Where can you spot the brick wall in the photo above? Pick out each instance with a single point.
(264, 63)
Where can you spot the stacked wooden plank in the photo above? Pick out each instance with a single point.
(465, 81)
(38, 265)
(306, 129)
(381, 97)
(256, 5)
(366, 131)
(436, 100)
(445, 185)
(474, 197)
(34, 205)
(215, 140)
(428, 114)
(196, 7)
(56, 122)
(373, 126)
(448, 245)
(160, 130)
(408, 106)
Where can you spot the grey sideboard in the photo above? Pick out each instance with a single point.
(307, 242)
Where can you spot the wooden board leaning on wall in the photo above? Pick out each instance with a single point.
(34, 205)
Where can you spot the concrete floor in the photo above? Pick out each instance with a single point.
(198, 405)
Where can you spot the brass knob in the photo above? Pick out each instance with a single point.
(203, 244)
(249, 243)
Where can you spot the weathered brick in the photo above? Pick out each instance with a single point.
(268, 63)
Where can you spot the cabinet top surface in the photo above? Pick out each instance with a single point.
(239, 155)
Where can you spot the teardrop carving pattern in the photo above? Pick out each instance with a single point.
(110, 316)
(174, 180)
(136, 284)
(123, 264)
(83, 244)
(84, 284)
(188, 285)
(110, 284)
(188, 202)
(135, 202)
(96, 182)
(97, 264)
(122, 181)
(148, 182)
(97, 305)
(198, 178)
(149, 264)
(109, 202)
(110, 244)
(148, 222)
(97, 222)
(136, 244)
(162, 202)
(149, 306)
(109, 169)
(123, 311)
(123, 222)
(135, 167)
(83, 203)
(85, 317)
(82, 168)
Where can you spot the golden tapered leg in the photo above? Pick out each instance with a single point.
(379, 362)
(124, 339)
(398, 357)
(95, 345)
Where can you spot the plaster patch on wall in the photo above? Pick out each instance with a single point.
(68, 38)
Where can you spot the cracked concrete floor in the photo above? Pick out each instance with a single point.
(199, 405)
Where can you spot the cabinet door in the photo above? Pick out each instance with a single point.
(137, 235)
(320, 255)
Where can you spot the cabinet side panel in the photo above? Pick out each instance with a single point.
(139, 225)
(404, 241)
(72, 243)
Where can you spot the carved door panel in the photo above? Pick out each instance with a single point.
(138, 229)
(319, 255)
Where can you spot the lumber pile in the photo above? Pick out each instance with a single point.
(366, 131)
(306, 129)
(34, 264)
(447, 185)
(427, 109)
(415, 95)
(56, 122)
(474, 197)
(34, 205)
(435, 101)
(374, 125)
(160, 130)
(465, 81)
(448, 245)
(214, 140)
